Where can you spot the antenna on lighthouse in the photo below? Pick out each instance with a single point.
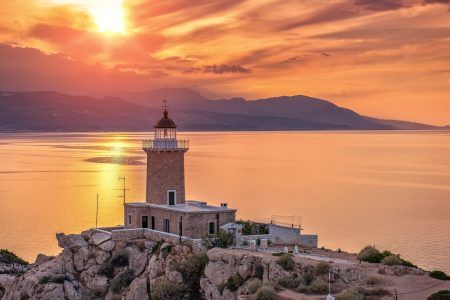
(123, 189)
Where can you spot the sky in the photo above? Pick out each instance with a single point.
(383, 58)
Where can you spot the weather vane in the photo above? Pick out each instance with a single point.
(165, 103)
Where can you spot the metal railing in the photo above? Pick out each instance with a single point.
(168, 144)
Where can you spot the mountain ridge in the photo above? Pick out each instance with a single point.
(137, 111)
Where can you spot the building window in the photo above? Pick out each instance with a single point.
(129, 219)
(171, 196)
(166, 225)
(211, 227)
(153, 222)
(144, 222)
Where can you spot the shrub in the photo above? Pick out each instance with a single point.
(57, 278)
(408, 264)
(9, 257)
(224, 239)
(258, 271)
(308, 276)
(234, 282)
(122, 280)
(44, 280)
(266, 292)
(120, 259)
(163, 290)
(351, 294)
(286, 262)
(376, 292)
(373, 280)
(289, 282)
(192, 270)
(254, 286)
(391, 260)
(318, 286)
(322, 268)
(107, 270)
(439, 275)
(370, 254)
(441, 295)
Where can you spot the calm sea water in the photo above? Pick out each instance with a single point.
(391, 189)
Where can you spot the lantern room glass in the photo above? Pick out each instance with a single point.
(165, 133)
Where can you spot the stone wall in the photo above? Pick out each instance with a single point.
(165, 171)
(309, 240)
(247, 238)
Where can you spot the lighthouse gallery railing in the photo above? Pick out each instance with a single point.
(165, 144)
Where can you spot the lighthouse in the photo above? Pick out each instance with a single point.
(165, 163)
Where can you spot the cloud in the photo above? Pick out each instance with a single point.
(222, 69)
(379, 5)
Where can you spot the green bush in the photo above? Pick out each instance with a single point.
(441, 295)
(254, 286)
(224, 239)
(56, 278)
(391, 260)
(370, 254)
(373, 280)
(266, 292)
(351, 294)
(44, 280)
(289, 282)
(439, 275)
(120, 259)
(322, 268)
(192, 270)
(286, 262)
(9, 257)
(376, 292)
(308, 276)
(163, 290)
(234, 282)
(318, 286)
(122, 280)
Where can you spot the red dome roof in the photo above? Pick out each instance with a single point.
(165, 122)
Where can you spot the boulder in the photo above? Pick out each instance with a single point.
(71, 241)
(221, 266)
(71, 292)
(101, 256)
(155, 267)
(41, 258)
(107, 246)
(80, 258)
(245, 267)
(100, 237)
(137, 260)
(275, 272)
(137, 290)
(6, 282)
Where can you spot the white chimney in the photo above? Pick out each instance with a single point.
(224, 205)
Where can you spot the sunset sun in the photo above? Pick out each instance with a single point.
(109, 16)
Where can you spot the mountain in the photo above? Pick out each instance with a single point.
(137, 111)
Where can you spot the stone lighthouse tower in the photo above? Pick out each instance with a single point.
(165, 163)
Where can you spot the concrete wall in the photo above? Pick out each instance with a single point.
(248, 238)
(291, 236)
(165, 171)
(195, 225)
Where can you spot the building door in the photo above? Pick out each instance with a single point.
(166, 225)
(171, 197)
(153, 222)
(211, 227)
(144, 222)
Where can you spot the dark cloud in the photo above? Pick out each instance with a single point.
(221, 69)
(379, 5)
(436, 1)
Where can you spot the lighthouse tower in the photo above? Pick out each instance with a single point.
(165, 163)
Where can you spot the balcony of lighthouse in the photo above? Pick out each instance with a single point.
(165, 145)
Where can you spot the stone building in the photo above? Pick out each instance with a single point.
(166, 208)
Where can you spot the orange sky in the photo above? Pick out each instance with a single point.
(383, 58)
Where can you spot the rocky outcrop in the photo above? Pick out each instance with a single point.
(92, 266)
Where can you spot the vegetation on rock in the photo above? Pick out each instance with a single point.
(439, 275)
(391, 260)
(163, 290)
(9, 257)
(122, 280)
(441, 295)
(266, 292)
(192, 270)
(286, 262)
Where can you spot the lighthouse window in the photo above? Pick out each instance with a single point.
(171, 197)
(211, 227)
(166, 225)
(129, 219)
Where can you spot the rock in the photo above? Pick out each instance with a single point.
(41, 258)
(211, 291)
(71, 292)
(51, 291)
(71, 241)
(67, 258)
(175, 277)
(100, 237)
(107, 246)
(80, 258)
(245, 267)
(155, 267)
(221, 266)
(149, 245)
(137, 260)
(137, 290)
(6, 282)
(93, 281)
(101, 256)
(275, 272)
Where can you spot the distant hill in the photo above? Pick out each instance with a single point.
(137, 111)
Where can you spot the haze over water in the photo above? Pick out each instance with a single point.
(391, 189)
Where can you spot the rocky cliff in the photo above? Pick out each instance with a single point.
(91, 266)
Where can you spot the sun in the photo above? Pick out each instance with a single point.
(108, 15)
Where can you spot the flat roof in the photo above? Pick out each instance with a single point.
(189, 207)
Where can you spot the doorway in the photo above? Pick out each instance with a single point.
(144, 222)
